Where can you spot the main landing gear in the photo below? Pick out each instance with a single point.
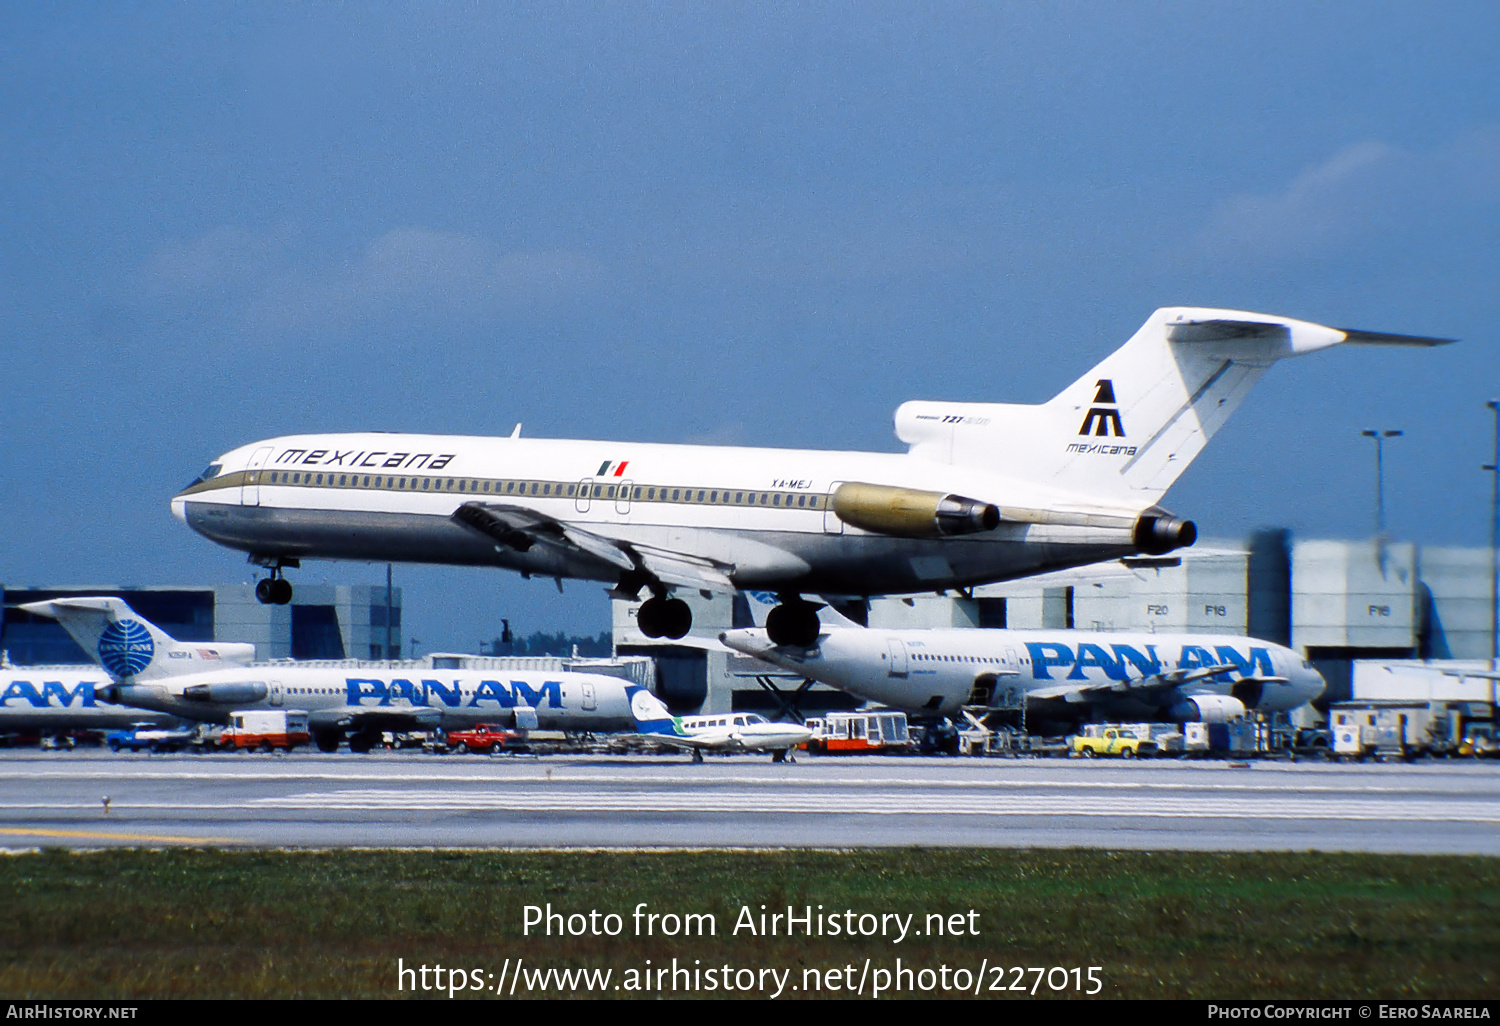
(794, 622)
(661, 617)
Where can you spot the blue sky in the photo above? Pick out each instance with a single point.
(757, 224)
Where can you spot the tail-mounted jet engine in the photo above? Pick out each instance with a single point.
(1157, 535)
(1208, 709)
(908, 513)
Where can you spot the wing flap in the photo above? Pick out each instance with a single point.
(520, 528)
(688, 571)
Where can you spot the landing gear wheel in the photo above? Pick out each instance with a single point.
(664, 618)
(697, 755)
(328, 740)
(361, 743)
(677, 619)
(793, 624)
(649, 617)
(273, 591)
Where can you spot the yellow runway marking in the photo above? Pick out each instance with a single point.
(97, 835)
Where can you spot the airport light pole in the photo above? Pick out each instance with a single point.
(1494, 469)
(1380, 437)
(388, 654)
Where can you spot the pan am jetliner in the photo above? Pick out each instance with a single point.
(987, 491)
(207, 682)
(1058, 677)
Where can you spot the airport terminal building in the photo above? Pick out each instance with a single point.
(1335, 602)
(326, 621)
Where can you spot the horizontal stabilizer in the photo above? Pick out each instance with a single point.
(1382, 338)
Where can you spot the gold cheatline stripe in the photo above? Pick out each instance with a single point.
(20, 832)
(490, 488)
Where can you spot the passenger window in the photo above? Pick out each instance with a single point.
(637, 493)
(533, 487)
(546, 489)
(676, 493)
(739, 496)
(320, 478)
(700, 495)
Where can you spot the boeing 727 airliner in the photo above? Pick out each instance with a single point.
(987, 491)
(206, 682)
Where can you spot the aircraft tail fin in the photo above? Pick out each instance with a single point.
(1123, 432)
(130, 647)
(651, 716)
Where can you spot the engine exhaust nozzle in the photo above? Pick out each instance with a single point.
(1158, 535)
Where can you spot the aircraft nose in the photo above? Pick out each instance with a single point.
(179, 508)
(1315, 685)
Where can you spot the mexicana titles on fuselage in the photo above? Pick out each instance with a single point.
(986, 491)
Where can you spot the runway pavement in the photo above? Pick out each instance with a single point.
(414, 800)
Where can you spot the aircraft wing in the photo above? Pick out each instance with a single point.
(1085, 691)
(676, 740)
(520, 528)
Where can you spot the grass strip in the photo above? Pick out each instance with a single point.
(207, 923)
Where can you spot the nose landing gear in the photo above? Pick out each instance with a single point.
(274, 590)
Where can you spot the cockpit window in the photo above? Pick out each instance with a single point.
(209, 473)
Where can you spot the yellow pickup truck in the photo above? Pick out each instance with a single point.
(1123, 743)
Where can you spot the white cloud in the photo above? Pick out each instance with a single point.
(1360, 195)
(409, 275)
(227, 259)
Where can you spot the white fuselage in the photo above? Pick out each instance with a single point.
(356, 698)
(743, 732)
(935, 672)
(63, 698)
(762, 516)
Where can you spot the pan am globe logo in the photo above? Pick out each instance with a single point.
(126, 648)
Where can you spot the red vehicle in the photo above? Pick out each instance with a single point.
(483, 738)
